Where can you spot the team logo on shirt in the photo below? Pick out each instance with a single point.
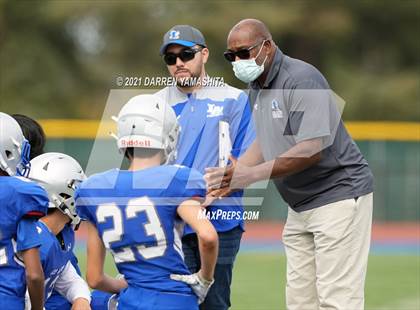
(275, 109)
(214, 110)
(174, 35)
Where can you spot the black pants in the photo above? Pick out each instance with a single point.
(218, 297)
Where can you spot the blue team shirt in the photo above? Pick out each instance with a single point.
(199, 115)
(136, 217)
(22, 202)
(53, 257)
(57, 301)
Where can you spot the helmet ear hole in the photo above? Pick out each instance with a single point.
(9, 154)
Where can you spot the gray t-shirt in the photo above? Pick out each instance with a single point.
(296, 104)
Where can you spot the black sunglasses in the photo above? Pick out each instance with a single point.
(244, 53)
(185, 55)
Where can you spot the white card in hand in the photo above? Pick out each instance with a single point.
(225, 145)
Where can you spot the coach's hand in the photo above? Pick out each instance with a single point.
(199, 285)
(221, 182)
(220, 177)
(209, 200)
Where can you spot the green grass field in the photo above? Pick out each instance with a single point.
(393, 282)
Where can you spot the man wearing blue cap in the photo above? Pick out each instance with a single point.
(215, 121)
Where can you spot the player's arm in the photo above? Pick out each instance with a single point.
(191, 212)
(34, 277)
(95, 275)
(27, 244)
(71, 285)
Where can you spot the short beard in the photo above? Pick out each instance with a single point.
(187, 82)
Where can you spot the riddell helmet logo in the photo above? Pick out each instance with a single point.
(136, 143)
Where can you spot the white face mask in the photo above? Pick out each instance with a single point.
(247, 70)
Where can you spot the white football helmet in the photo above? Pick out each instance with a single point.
(60, 175)
(146, 121)
(14, 148)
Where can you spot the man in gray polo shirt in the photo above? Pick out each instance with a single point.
(318, 169)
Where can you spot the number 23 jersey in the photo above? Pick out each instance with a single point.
(135, 213)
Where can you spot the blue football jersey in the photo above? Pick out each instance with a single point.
(55, 300)
(53, 257)
(136, 217)
(22, 202)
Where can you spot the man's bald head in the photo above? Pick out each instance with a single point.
(254, 29)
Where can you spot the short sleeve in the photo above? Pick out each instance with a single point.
(194, 186)
(310, 112)
(31, 200)
(82, 205)
(27, 235)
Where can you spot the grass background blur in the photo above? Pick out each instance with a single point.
(260, 278)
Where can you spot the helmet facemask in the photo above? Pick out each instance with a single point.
(24, 167)
(65, 202)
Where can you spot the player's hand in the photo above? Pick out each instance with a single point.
(199, 285)
(81, 304)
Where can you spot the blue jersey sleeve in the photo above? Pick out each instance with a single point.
(193, 184)
(27, 235)
(242, 131)
(82, 205)
(31, 200)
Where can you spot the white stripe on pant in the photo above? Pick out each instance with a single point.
(327, 252)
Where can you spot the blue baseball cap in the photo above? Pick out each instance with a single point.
(184, 35)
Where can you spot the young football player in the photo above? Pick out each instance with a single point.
(22, 203)
(59, 175)
(34, 133)
(138, 215)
